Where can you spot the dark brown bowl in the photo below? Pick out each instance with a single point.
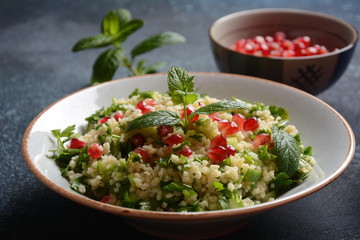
(312, 74)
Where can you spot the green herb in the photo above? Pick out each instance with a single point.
(117, 26)
(180, 187)
(264, 154)
(287, 151)
(279, 112)
(282, 181)
(228, 199)
(224, 105)
(153, 119)
(143, 95)
(60, 134)
(308, 151)
(253, 175)
(77, 183)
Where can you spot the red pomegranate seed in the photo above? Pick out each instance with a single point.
(103, 120)
(143, 153)
(150, 101)
(261, 139)
(279, 36)
(214, 117)
(138, 140)
(251, 124)
(217, 154)
(189, 110)
(230, 149)
(289, 53)
(119, 115)
(163, 131)
(146, 106)
(105, 199)
(174, 139)
(77, 144)
(239, 119)
(95, 150)
(227, 128)
(140, 105)
(186, 151)
(219, 140)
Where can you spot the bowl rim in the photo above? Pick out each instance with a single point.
(185, 216)
(284, 10)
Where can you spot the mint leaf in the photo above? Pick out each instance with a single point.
(158, 40)
(127, 29)
(287, 151)
(221, 106)
(106, 65)
(179, 79)
(96, 41)
(153, 119)
(114, 20)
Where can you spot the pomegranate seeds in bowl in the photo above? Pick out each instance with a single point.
(278, 45)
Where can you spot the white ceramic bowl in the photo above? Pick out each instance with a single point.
(320, 125)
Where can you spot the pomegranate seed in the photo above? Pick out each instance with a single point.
(269, 39)
(239, 119)
(163, 131)
(119, 115)
(261, 139)
(138, 140)
(279, 36)
(311, 51)
(227, 128)
(150, 102)
(259, 39)
(189, 110)
(95, 150)
(140, 105)
(186, 151)
(219, 140)
(103, 120)
(146, 106)
(287, 45)
(147, 109)
(230, 149)
(289, 53)
(174, 139)
(105, 199)
(251, 124)
(77, 144)
(143, 153)
(217, 154)
(214, 117)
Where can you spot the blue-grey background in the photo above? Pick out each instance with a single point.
(37, 67)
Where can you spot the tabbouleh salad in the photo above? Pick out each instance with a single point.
(183, 151)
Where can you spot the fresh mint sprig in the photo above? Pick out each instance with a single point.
(117, 26)
(182, 91)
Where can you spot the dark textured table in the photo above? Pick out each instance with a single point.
(37, 67)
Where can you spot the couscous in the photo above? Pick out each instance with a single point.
(183, 151)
